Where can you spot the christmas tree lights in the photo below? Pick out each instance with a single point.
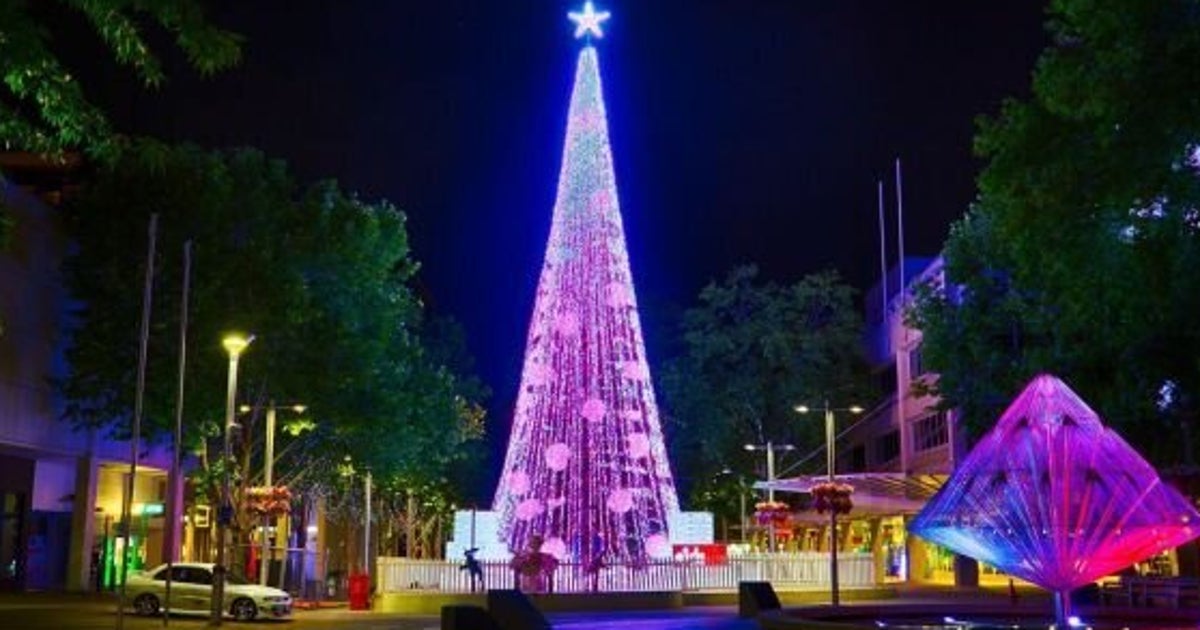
(586, 472)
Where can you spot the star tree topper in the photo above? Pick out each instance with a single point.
(588, 21)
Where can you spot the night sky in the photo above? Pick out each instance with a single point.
(742, 130)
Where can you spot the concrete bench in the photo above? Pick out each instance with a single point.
(1188, 595)
(1149, 592)
(1159, 594)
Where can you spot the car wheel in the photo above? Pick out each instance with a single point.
(146, 605)
(244, 609)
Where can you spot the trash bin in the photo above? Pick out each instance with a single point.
(360, 591)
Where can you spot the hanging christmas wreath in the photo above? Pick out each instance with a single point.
(269, 500)
(773, 512)
(832, 496)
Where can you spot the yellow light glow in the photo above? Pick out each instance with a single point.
(235, 343)
(299, 408)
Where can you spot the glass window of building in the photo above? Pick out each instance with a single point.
(887, 447)
(931, 431)
(916, 367)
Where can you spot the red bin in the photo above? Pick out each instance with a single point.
(360, 592)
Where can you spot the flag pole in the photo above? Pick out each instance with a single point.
(883, 297)
(900, 221)
(136, 436)
(174, 499)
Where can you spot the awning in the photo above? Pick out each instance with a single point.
(875, 494)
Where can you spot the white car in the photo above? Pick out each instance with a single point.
(191, 592)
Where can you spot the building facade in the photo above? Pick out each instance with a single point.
(60, 489)
(898, 453)
(905, 434)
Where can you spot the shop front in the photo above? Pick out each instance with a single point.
(881, 506)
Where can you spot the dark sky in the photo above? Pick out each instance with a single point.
(742, 130)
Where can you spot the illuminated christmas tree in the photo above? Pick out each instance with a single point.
(586, 470)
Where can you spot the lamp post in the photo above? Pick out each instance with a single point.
(234, 344)
(269, 476)
(830, 464)
(770, 448)
(367, 487)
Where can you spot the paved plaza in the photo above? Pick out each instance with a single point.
(44, 611)
(71, 612)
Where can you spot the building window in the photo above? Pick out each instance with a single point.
(930, 432)
(887, 447)
(885, 381)
(916, 366)
(858, 458)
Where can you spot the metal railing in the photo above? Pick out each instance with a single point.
(788, 570)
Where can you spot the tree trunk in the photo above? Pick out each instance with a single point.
(390, 535)
(410, 523)
(428, 535)
(438, 546)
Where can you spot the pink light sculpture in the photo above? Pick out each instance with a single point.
(1054, 497)
(586, 467)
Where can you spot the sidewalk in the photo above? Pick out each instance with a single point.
(41, 599)
(312, 604)
(343, 613)
(37, 599)
(950, 592)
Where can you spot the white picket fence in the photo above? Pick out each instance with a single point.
(791, 570)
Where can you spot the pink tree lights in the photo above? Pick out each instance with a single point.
(586, 470)
(1054, 497)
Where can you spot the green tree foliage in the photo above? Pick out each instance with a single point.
(1081, 254)
(319, 276)
(754, 350)
(43, 108)
(445, 341)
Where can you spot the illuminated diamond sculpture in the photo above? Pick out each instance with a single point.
(586, 470)
(1052, 496)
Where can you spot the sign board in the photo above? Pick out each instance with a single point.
(153, 509)
(479, 529)
(201, 516)
(690, 528)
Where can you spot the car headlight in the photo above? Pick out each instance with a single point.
(276, 598)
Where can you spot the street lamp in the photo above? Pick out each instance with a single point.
(269, 473)
(234, 345)
(830, 462)
(770, 448)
